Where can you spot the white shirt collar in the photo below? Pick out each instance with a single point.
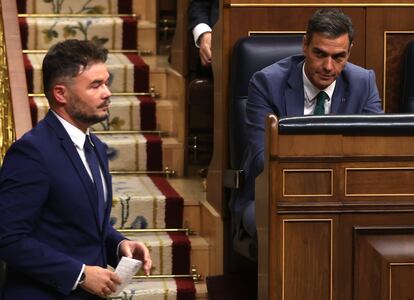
(311, 91)
(76, 135)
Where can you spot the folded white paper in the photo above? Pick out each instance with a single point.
(126, 268)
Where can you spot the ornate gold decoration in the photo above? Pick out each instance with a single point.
(7, 133)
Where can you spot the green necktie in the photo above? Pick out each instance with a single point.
(320, 103)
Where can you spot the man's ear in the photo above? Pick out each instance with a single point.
(60, 93)
(350, 48)
(304, 43)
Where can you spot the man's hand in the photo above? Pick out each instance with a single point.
(99, 281)
(205, 48)
(137, 250)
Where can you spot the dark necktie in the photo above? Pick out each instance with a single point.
(320, 103)
(93, 163)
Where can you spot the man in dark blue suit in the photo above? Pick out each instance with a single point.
(55, 202)
(321, 81)
(202, 15)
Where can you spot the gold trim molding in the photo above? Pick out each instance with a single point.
(331, 252)
(276, 32)
(373, 169)
(359, 4)
(396, 264)
(384, 67)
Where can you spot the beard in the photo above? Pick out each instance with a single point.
(77, 110)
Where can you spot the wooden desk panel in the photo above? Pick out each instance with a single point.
(342, 231)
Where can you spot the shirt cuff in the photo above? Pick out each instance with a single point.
(77, 280)
(117, 248)
(199, 30)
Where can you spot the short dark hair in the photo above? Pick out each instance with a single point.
(331, 22)
(65, 59)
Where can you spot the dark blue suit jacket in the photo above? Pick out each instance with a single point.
(202, 11)
(49, 216)
(278, 89)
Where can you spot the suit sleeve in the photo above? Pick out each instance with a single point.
(112, 242)
(373, 102)
(24, 184)
(113, 237)
(199, 12)
(257, 109)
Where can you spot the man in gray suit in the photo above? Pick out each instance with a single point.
(321, 81)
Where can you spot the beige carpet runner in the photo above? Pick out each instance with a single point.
(140, 201)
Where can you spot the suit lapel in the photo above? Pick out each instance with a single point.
(339, 96)
(76, 161)
(294, 94)
(102, 156)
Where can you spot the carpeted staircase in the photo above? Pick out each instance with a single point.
(142, 133)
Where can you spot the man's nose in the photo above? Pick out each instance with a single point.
(107, 91)
(328, 63)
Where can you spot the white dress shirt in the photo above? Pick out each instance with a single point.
(78, 138)
(199, 30)
(311, 92)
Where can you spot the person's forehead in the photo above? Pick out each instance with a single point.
(320, 37)
(321, 41)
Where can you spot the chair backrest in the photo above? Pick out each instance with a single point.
(407, 99)
(251, 54)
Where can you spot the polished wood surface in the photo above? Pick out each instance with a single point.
(17, 77)
(267, 3)
(179, 47)
(345, 229)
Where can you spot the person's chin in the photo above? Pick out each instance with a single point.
(324, 82)
(102, 116)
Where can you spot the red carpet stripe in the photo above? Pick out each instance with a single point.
(129, 33)
(29, 73)
(185, 289)
(154, 152)
(181, 248)
(125, 6)
(21, 6)
(148, 113)
(24, 32)
(174, 205)
(141, 72)
(33, 111)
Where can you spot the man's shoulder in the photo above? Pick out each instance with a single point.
(42, 135)
(283, 67)
(278, 73)
(355, 72)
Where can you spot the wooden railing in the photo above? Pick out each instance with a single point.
(14, 105)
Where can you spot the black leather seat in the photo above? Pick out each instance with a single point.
(391, 124)
(407, 99)
(250, 54)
